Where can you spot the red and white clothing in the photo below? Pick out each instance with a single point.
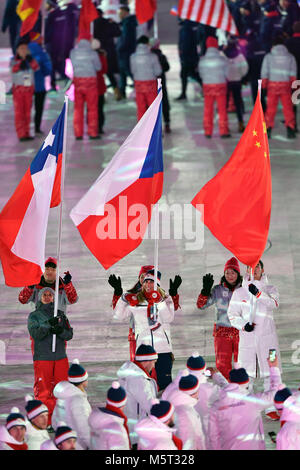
(278, 71)
(7, 442)
(109, 430)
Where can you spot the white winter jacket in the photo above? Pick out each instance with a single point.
(288, 438)
(85, 60)
(235, 421)
(187, 421)
(279, 65)
(237, 68)
(160, 337)
(212, 67)
(264, 337)
(107, 431)
(72, 407)
(144, 65)
(154, 435)
(141, 390)
(35, 437)
(208, 393)
(6, 437)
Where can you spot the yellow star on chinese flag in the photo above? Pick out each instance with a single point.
(265, 127)
(258, 144)
(254, 133)
(265, 154)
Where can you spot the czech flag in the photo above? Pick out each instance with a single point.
(24, 219)
(112, 217)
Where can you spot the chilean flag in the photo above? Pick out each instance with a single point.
(24, 219)
(113, 215)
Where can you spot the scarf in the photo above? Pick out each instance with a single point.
(177, 442)
(121, 414)
(23, 446)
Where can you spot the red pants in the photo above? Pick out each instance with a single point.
(226, 346)
(145, 94)
(216, 93)
(46, 375)
(86, 90)
(282, 91)
(22, 97)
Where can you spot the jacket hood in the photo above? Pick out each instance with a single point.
(100, 419)
(179, 398)
(259, 284)
(65, 389)
(130, 369)
(142, 49)
(291, 409)
(153, 429)
(6, 437)
(84, 44)
(280, 49)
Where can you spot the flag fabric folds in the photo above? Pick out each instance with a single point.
(237, 201)
(145, 10)
(112, 217)
(28, 11)
(88, 13)
(212, 13)
(24, 219)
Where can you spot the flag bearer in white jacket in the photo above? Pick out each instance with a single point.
(109, 430)
(150, 327)
(187, 421)
(72, 404)
(257, 329)
(235, 420)
(288, 437)
(36, 428)
(140, 387)
(156, 431)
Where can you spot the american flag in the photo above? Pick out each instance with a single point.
(214, 13)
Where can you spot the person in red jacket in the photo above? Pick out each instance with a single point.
(23, 67)
(96, 45)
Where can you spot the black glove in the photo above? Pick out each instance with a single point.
(116, 284)
(57, 330)
(208, 282)
(53, 321)
(23, 65)
(174, 285)
(253, 289)
(31, 287)
(29, 57)
(249, 327)
(67, 278)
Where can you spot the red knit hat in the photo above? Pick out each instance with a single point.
(232, 263)
(51, 261)
(145, 269)
(212, 42)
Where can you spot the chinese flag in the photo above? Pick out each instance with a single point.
(144, 10)
(237, 201)
(28, 11)
(88, 13)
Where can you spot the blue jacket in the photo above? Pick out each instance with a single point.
(45, 64)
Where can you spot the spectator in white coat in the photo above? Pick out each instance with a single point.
(187, 421)
(36, 429)
(235, 420)
(140, 387)
(145, 68)
(156, 431)
(258, 332)
(72, 404)
(151, 328)
(109, 430)
(288, 437)
(12, 434)
(65, 437)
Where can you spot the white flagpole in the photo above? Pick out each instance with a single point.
(251, 298)
(155, 25)
(63, 168)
